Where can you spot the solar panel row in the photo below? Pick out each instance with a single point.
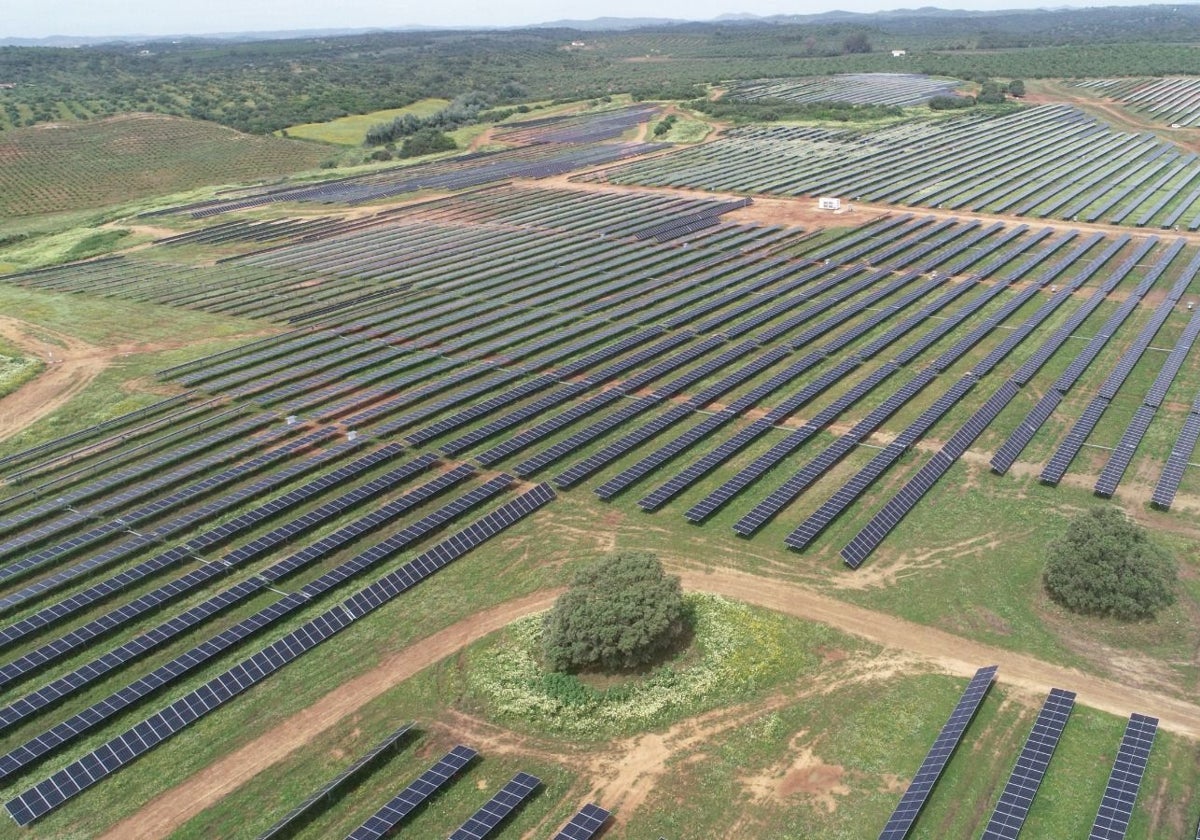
(510, 797)
(808, 530)
(1116, 807)
(293, 818)
(917, 793)
(402, 805)
(1177, 461)
(1026, 777)
(587, 821)
(896, 508)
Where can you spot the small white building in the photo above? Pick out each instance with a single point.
(829, 203)
(899, 53)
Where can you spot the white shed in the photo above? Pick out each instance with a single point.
(829, 203)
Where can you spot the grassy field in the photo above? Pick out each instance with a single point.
(15, 368)
(350, 131)
(48, 169)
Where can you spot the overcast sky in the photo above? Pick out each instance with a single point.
(39, 18)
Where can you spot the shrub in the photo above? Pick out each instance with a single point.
(426, 142)
(950, 103)
(1106, 565)
(622, 612)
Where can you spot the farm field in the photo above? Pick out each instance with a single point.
(314, 459)
(350, 131)
(70, 166)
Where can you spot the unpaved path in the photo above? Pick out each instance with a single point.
(950, 653)
(71, 365)
(165, 813)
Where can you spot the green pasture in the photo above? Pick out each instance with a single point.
(350, 131)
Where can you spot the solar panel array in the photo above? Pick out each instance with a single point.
(919, 789)
(510, 797)
(402, 805)
(294, 817)
(583, 826)
(1026, 777)
(112, 756)
(1116, 808)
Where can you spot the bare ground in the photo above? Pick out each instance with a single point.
(628, 771)
(71, 365)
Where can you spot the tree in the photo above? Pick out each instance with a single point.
(621, 612)
(1016, 87)
(1106, 565)
(856, 43)
(990, 93)
(425, 142)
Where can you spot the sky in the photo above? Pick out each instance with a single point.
(41, 18)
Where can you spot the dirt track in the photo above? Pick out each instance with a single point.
(71, 365)
(951, 654)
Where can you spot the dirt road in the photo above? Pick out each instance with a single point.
(71, 365)
(951, 654)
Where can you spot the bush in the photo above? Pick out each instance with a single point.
(1106, 565)
(950, 103)
(622, 612)
(426, 142)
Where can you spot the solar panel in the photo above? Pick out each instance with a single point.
(914, 798)
(1057, 466)
(896, 508)
(494, 811)
(1026, 777)
(403, 804)
(1177, 461)
(1119, 458)
(1012, 448)
(290, 820)
(1116, 807)
(583, 826)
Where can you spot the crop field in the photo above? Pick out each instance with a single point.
(1044, 162)
(511, 365)
(1174, 99)
(91, 164)
(858, 88)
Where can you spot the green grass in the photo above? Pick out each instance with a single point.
(351, 130)
(686, 130)
(737, 653)
(15, 368)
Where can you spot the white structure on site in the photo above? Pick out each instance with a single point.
(829, 203)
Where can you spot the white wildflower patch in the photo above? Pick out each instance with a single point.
(736, 651)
